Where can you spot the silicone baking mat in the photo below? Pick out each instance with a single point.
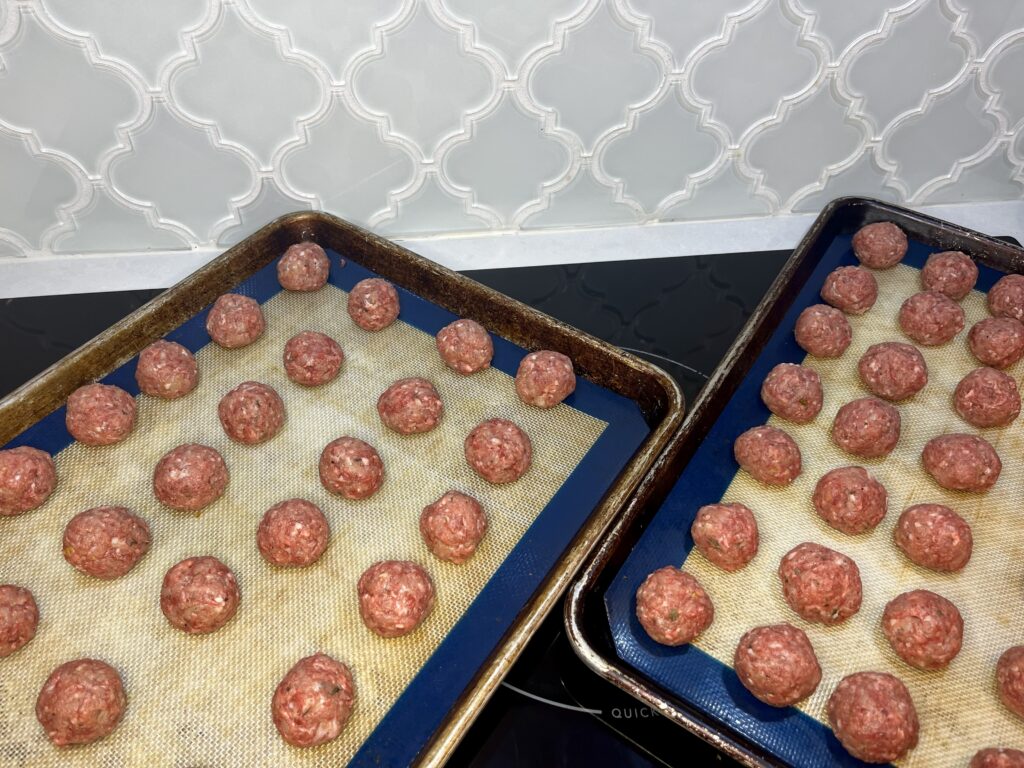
(958, 707)
(206, 700)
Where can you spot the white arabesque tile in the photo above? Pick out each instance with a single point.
(10, 250)
(683, 25)
(728, 192)
(839, 25)
(106, 225)
(1006, 80)
(990, 179)
(270, 202)
(989, 20)
(584, 202)
(428, 211)
(32, 188)
(863, 178)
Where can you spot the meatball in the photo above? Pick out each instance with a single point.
(950, 272)
(373, 304)
(27, 478)
(166, 369)
(100, 414)
(792, 392)
(293, 533)
(395, 596)
(866, 427)
(453, 526)
(313, 701)
(986, 397)
(873, 717)
(304, 267)
(822, 331)
(997, 341)
(934, 536)
(850, 289)
(199, 595)
(190, 477)
(820, 584)
(351, 468)
(465, 346)
(1006, 297)
(312, 358)
(673, 607)
(931, 318)
(19, 618)
(850, 500)
(105, 542)
(235, 321)
(880, 245)
(410, 406)
(893, 370)
(1010, 679)
(777, 664)
(545, 379)
(923, 628)
(960, 462)
(726, 534)
(251, 413)
(997, 757)
(768, 454)
(499, 451)
(81, 702)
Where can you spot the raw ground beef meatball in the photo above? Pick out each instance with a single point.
(673, 607)
(100, 414)
(768, 454)
(190, 477)
(351, 468)
(880, 245)
(395, 596)
(199, 595)
(166, 369)
(304, 267)
(935, 537)
(893, 370)
(235, 321)
(726, 534)
(820, 584)
(545, 379)
(1010, 679)
(866, 427)
(499, 451)
(823, 331)
(410, 406)
(873, 716)
(19, 618)
(923, 628)
(853, 290)
(1006, 297)
(997, 341)
(465, 346)
(27, 478)
(931, 318)
(986, 397)
(81, 702)
(373, 304)
(251, 413)
(777, 664)
(960, 462)
(792, 392)
(313, 701)
(312, 358)
(997, 757)
(850, 500)
(950, 272)
(293, 533)
(453, 526)
(106, 542)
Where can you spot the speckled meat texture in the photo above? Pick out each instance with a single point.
(997, 757)
(293, 533)
(893, 370)
(931, 318)
(545, 379)
(166, 370)
(823, 331)
(769, 455)
(81, 702)
(373, 304)
(673, 607)
(726, 534)
(1010, 679)
(950, 272)
(777, 664)
(465, 346)
(997, 341)
(499, 451)
(453, 526)
(313, 701)
(304, 267)
(961, 462)
(27, 478)
(106, 542)
(874, 717)
(1006, 297)
(935, 537)
(852, 290)
(880, 245)
(190, 477)
(351, 468)
(395, 597)
(820, 584)
(923, 628)
(251, 413)
(850, 500)
(19, 618)
(792, 392)
(312, 358)
(235, 321)
(986, 397)
(100, 414)
(199, 595)
(867, 428)
(410, 406)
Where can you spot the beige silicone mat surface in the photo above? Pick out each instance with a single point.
(958, 707)
(205, 701)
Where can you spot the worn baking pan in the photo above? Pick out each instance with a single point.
(640, 405)
(691, 685)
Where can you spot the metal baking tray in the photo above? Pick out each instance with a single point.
(426, 721)
(654, 528)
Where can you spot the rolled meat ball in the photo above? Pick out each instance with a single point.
(852, 290)
(465, 346)
(19, 618)
(312, 358)
(867, 428)
(106, 542)
(100, 414)
(931, 318)
(950, 272)
(190, 477)
(293, 534)
(453, 526)
(792, 392)
(673, 607)
(81, 701)
(1010, 679)
(997, 341)
(166, 370)
(768, 454)
(235, 321)
(395, 597)
(499, 451)
(986, 397)
(373, 304)
(304, 267)
(777, 664)
(880, 245)
(893, 370)
(251, 413)
(873, 716)
(27, 478)
(997, 757)
(923, 628)
(850, 500)
(199, 595)
(313, 701)
(823, 331)
(1006, 297)
(545, 379)
(961, 462)
(726, 534)
(935, 537)
(410, 406)
(351, 468)
(820, 584)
